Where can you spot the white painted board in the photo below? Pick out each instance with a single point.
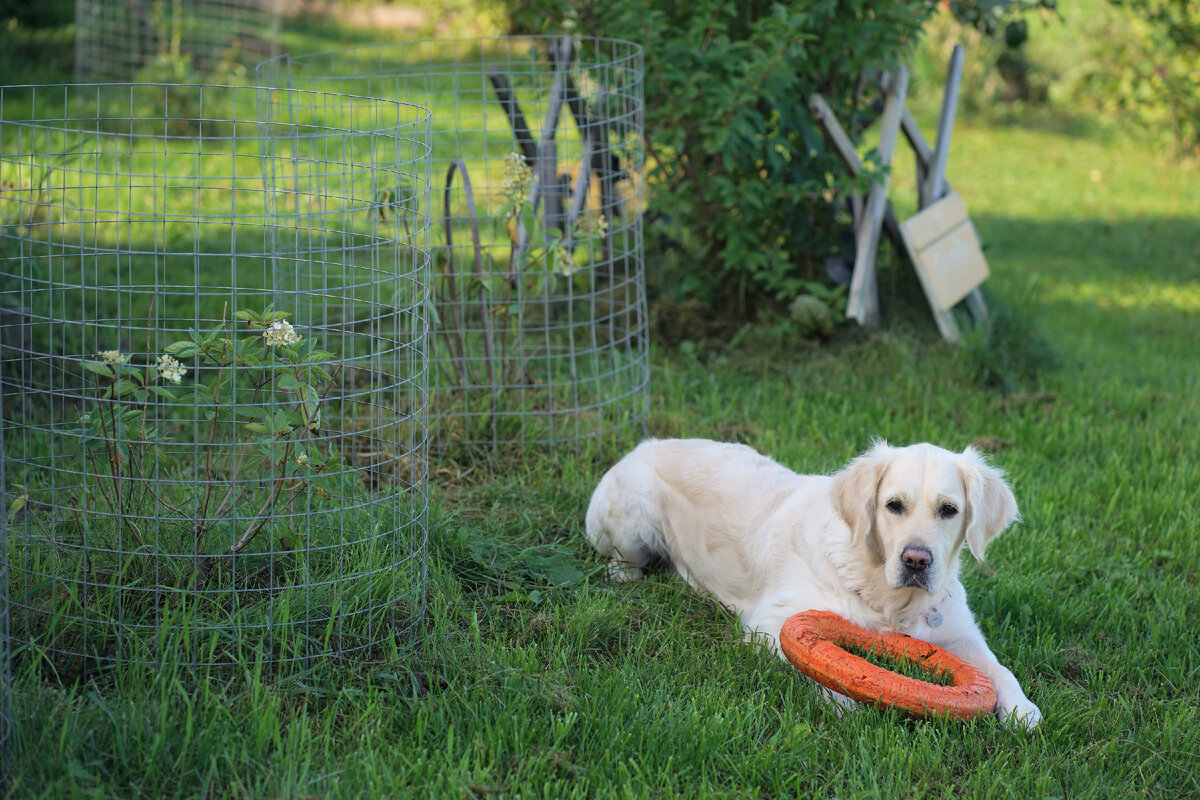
(945, 250)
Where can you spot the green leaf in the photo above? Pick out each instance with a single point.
(320, 373)
(272, 453)
(130, 370)
(557, 569)
(162, 392)
(122, 388)
(251, 348)
(249, 358)
(100, 368)
(312, 411)
(176, 348)
(256, 428)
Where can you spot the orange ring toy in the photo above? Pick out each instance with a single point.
(812, 642)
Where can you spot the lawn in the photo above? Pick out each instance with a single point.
(537, 677)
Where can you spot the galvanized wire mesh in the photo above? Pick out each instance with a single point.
(169, 40)
(5, 658)
(213, 369)
(538, 307)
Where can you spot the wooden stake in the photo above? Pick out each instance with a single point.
(863, 303)
(936, 179)
(516, 119)
(849, 156)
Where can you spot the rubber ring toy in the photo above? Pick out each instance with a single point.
(813, 640)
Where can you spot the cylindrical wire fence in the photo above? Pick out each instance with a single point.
(213, 370)
(172, 40)
(538, 297)
(5, 658)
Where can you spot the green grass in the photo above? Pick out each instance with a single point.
(905, 666)
(536, 677)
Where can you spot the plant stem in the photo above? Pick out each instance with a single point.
(114, 461)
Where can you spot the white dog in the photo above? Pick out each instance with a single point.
(877, 543)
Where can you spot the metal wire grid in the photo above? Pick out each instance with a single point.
(5, 659)
(539, 307)
(121, 40)
(213, 370)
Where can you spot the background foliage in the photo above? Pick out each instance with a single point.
(1154, 69)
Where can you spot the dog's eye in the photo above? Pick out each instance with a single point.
(946, 511)
(895, 506)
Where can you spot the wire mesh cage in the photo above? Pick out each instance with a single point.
(5, 659)
(538, 297)
(213, 370)
(171, 40)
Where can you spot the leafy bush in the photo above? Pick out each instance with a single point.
(995, 34)
(740, 178)
(1153, 69)
(37, 15)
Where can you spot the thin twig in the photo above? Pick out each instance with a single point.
(114, 461)
(452, 284)
(206, 497)
(579, 198)
(477, 245)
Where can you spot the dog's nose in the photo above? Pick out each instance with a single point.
(916, 558)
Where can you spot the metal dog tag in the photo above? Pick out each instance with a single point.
(933, 618)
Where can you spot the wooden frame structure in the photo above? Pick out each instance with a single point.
(940, 240)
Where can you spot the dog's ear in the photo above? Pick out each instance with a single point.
(854, 488)
(991, 507)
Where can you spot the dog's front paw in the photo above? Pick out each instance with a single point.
(623, 571)
(1019, 714)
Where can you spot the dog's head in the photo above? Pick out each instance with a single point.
(911, 509)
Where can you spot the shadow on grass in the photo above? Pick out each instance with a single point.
(1055, 267)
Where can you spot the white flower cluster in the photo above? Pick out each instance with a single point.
(593, 225)
(112, 356)
(280, 332)
(565, 264)
(170, 370)
(517, 178)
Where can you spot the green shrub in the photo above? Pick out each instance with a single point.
(740, 179)
(999, 67)
(1153, 59)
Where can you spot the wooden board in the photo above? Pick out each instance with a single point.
(945, 250)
